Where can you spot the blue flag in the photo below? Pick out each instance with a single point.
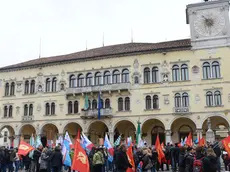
(99, 105)
(66, 155)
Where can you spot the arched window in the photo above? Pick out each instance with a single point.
(47, 85)
(27, 85)
(148, 102)
(209, 98)
(25, 110)
(184, 72)
(76, 107)
(120, 104)
(155, 74)
(30, 110)
(89, 79)
(54, 84)
(175, 73)
(146, 75)
(127, 104)
(155, 102)
(80, 80)
(70, 107)
(107, 77)
(5, 111)
(47, 109)
(72, 81)
(12, 88)
(94, 104)
(32, 87)
(10, 111)
(107, 103)
(125, 76)
(185, 100)
(206, 70)
(7, 89)
(215, 69)
(116, 76)
(217, 98)
(97, 79)
(52, 108)
(177, 100)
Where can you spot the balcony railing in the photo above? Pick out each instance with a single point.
(181, 110)
(27, 118)
(109, 87)
(93, 113)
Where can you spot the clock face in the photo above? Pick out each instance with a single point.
(209, 22)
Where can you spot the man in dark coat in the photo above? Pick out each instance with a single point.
(122, 162)
(56, 160)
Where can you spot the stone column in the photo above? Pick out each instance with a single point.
(111, 137)
(199, 133)
(16, 141)
(168, 138)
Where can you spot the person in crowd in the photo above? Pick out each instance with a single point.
(147, 160)
(226, 160)
(44, 160)
(189, 159)
(16, 160)
(217, 151)
(210, 162)
(174, 153)
(98, 160)
(154, 159)
(182, 159)
(167, 155)
(122, 162)
(56, 160)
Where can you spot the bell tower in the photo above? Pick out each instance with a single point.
(209, 24)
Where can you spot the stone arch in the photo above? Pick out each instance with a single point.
(96, 130)
(149, 118)
(49, 132)
(181, 127)
(72, 128)
(97, 121)
(219, 125)
(151, 127)
(26, 130)
(214, 115)
(176, 118)
(51, 123)
(125, 128)
(8, 139)
(123, 119)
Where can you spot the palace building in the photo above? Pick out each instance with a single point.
(172, 88)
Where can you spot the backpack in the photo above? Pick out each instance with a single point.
(197, 165)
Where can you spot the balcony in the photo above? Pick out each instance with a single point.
(93, 113)
(102, 88)
(27, 118)
(181, 110)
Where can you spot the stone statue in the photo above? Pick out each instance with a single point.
(210, 136)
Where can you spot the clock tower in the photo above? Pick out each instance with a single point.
(209, 24)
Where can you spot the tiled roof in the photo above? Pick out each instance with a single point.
(105, 52)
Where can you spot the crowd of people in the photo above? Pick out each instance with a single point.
(177, 158)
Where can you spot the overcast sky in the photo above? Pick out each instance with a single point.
(65, 25)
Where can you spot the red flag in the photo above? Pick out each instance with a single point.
(201, 141)
(189, 140)
(129, 154)
(226, 144)
(24, 148)
(80, 160)
(159, 149)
